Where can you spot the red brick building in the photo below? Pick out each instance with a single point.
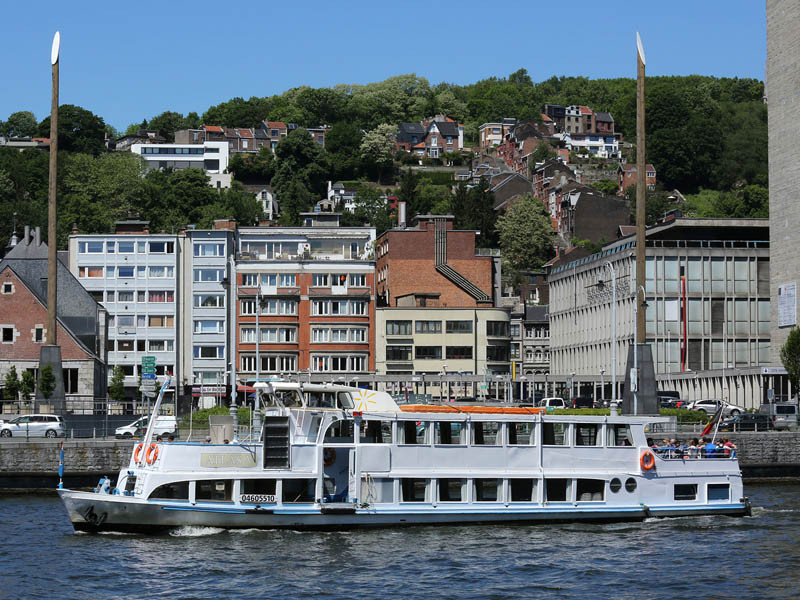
(627, 176)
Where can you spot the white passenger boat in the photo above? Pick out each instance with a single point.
(332, 456)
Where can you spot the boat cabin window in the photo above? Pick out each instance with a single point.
(590, 490)
(452, 490)
(413, 490)
(485, 490)
(619, 435)
(587, 434)
(215, 490)
(520, 434)
(288, 398)
(719, 492)
(177, 490)
(522, 490)
(451, 432)
(377, 489)
(258, 486)
(320, 399)
(615, 485)
(686, 491)
(486, 433)
(339, 432)
(555, 434)
(298, 490)
(630, 485)
(375, 432)
(412, 432)
(556, 489)
(345, 400)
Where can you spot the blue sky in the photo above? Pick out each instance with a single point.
(126, 61)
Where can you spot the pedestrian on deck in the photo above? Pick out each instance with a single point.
(710, 448)
(728, 447)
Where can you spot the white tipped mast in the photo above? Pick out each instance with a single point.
(151, 425)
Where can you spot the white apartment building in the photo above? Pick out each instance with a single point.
(134, 275)
(212, 157)
(602, 145)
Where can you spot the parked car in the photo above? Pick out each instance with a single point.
(165, 425)
(747, 422)
(583, 402)
(710, 407)
(782, 414)
(49, 426)
(553, 402)
(670, 400)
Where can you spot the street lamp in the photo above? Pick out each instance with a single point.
(229, 284)
(571, 385)
(613, 271)
(635, 381)
(522, 381)
(603, 385)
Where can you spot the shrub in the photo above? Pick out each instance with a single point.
(200, 418)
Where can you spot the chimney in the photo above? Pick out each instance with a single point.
(401, 214)
(27, 235)
(37, 236)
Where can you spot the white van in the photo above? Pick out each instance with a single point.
(553, 402)
(782, 414)
(165, 425)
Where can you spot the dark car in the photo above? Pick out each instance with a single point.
(583, 402)
(747, 422)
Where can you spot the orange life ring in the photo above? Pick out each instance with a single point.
(647, 460)
(137, 452)
(152, 453)
(328, 456)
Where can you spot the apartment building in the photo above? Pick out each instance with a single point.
(135, 276)
(211, 157)
(305, 299)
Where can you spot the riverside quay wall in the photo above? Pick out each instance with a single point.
(34, 465)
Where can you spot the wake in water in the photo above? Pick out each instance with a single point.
(195, 531)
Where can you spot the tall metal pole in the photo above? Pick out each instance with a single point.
(641, 188)
(610, 267)
(51, 210)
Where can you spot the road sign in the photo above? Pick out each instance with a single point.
(149, 394)
(148, 360)
(148, 375)
(148, 369)
(148, 384)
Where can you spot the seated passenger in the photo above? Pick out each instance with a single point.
(729, 448)
(710, 448)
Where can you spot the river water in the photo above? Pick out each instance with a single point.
(694, 558)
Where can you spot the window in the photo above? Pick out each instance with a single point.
(458, 352)
(124, 345)
(587, 434)
(556, 490)
(209, 351)
(339, 432)
(70, 381)
(358, 334)
(160, 345)
(288, 280)
(162, 247)
(125, 247)
(428, 352)
(618, 435)
(125, 320)
(249, 362)
(90, 272)
(141, 272)
(320, 307)
(428, 326)
(450, 432)
(377, 489)
(124, 296)
(375, 432)
(522, 490)
(161, 296)
(459, 327)
(160, 272)
(178, 490)
(38, 334)
(413, 490)
(209, 326)
(358, 307)
(161, 321)
(398, 327)
(209, 274)
(685, 491)
(452, 490)
(486, 433)
(8, 288)
(497, 353)
(554, 434)
(412, 433)
(8, 335)
(339, 335)
(90, 247)
(485, 490)
(520, 434)
(718, 492)
(209, 301)
(213, 491)
(358, 280)
(140, 296)
(248, 335)
(110, 272)
(124, 272)
(209, 249)
(398, 353)
(590, 490)
(497, 328)
(320, 280)
(248, 307)
(262, 487)
(339, 280)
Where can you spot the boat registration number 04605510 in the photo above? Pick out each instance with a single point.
(263, 498)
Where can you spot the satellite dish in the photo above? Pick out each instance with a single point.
(54, 51)
(639, 48)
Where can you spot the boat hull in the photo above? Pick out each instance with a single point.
(93, 512)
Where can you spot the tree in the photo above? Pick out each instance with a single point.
(434, 199)
(377, 147)
(294, 198)
(20, 124)
(475, 210)
(606, 186)
(407, 192)
(12, 383)
(47, 381)
(371, 208)
(116, 389)
(526, 237)
(78, 130)
(27, 384)
(253, 168)
(790, 357)
(167, 123)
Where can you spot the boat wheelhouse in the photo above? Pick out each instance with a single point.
(330, 456)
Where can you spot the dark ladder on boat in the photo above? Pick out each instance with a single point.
(276, 442)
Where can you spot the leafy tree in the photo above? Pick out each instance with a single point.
(299, 157)
(12, 383)
(343, 145)
(232, 203)
(294, 199)
(78, 130)
(116, 389)
(371, 209)
(790, 357)
(23, 189)
(407, 192)
(20, 124)
(377, 147)
(526, 237)
(27, 384)
(607, 187)
(259, 167)
(47, 381)
(474, 209)
(434, 199)
(542, 152)
(167, 123)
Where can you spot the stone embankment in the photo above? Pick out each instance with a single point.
(34, 465)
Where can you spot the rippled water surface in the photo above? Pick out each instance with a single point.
(695, 557)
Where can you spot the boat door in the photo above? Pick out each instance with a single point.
(338, 453)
